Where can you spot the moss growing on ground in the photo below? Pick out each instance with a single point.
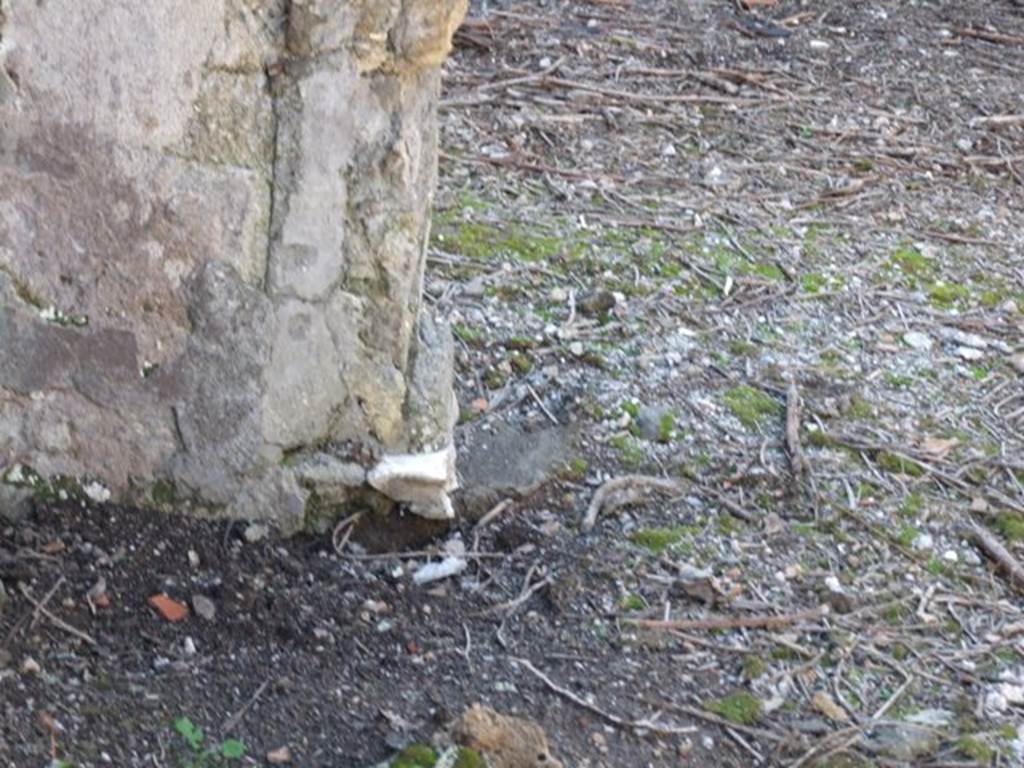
(740, 707)
(1011, 525)
(946, 296)
(897, 465)
(657, 540)
(415, 756)
(631, 454)
(751, 406)
(469, 758)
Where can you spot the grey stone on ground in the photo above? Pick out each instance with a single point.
(905, 741)
(508, 462)
(650, 421)
(212, 258)
(15, 502)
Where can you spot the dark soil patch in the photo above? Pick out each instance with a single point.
(341, 681)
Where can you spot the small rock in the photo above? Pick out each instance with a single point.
(279, 756)
(375, 606)
(576, 349)
(168, 608)
(963, 338)
(189, 647)
(97, 492)
(917, 340)
(979, 505)
(906, 742)
(160, 663)
(193, 558)
(923, 542)
(773, 524)
(596, 302)
(16, 502)
(256, 532)
(450, 566)
(30, 666)
(669, 151)
(652, 420)
(204, 607)
(1017, 362)
(937, 718)
(970, 354)
(950, 556)
(455, 547)
(819, 45)
(995, 703)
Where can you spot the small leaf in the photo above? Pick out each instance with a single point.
(232, 749)
(189, 731)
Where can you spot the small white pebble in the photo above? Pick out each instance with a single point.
(950, 556)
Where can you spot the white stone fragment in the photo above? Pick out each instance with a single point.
(420, 480)
(917, 340)
(969, 353)
(97, 492)
(450, 566)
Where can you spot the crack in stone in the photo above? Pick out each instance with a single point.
(272, 205)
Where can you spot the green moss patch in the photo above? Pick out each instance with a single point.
(657, 540)
(946, 296)
(415, 756)
(1011, 526)
(631, 453)
(897, 465)
(740, 707)
(751, 406)
(910, 261)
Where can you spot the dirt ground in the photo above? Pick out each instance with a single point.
(771, 258)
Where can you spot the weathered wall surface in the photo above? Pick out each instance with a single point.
(212, 229)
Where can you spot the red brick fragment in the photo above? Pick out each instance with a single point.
(168, 608)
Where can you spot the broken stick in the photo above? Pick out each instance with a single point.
(734, 622)
(994, 548)
(793, 449)
(635, 485)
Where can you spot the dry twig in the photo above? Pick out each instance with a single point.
(994, 548)
(644, 725)
(620, 491)
(734, 622)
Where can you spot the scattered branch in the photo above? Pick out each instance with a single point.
(643, 725)
(994, 548)
(624, 490)
(734, 622)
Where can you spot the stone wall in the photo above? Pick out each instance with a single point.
(213, 218)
